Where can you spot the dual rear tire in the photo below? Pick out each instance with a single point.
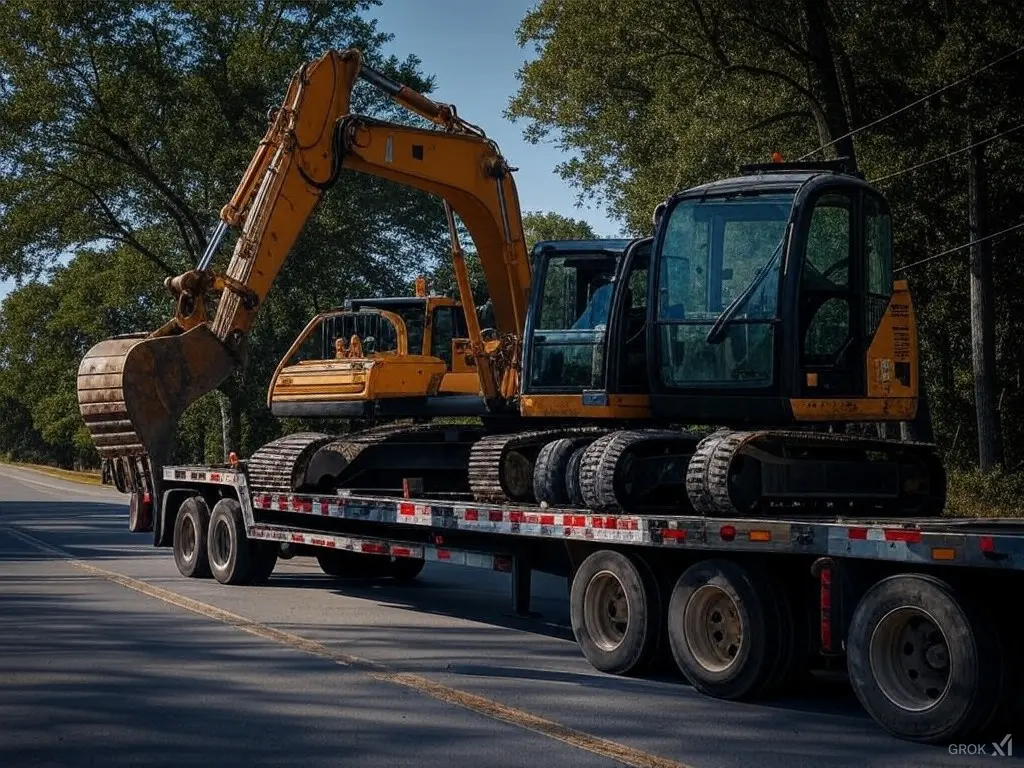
(214, 543)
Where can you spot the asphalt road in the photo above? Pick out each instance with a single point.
(108, 657)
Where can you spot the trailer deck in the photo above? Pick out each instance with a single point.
(985, 543)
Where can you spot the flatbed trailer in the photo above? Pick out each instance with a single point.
(922, 613)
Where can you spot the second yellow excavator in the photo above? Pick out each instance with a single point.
(762, 304)
(378, 358)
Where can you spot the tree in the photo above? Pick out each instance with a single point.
(651, 96)
(539, 226)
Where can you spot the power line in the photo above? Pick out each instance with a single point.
(959, 247)
(914, 103)
(948, 154)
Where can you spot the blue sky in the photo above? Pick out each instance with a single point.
(470, 46)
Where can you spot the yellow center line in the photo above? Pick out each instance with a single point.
(479, 704)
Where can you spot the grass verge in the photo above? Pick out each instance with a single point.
(995, 494)
(89, 478)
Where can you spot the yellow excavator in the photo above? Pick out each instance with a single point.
(377, 358)
(762, 304)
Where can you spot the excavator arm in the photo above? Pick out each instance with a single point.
(133, 389)
(470, 175)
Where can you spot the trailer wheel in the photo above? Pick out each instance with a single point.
(140, 515)
(794, 640)
(549, 471)
(616, 612)
(924, 664)
(264, 559)
(573, 491)
(723, 629)
(404, 569)
(191, 527)
(227, 545)
(342, 564)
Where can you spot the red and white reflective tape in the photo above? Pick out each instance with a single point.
(365, 546)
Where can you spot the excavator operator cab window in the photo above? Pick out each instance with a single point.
(572, 322)
(631, 315)
(845, 286)
(414, 315)
(718, 276)
(376, 333)
(447, 323)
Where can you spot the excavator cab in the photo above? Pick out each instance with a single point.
(776, 302)
(584, 336)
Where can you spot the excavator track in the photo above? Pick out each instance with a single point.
(634, 470)
(273, 467)
(379, 457)
(743, 472)
(501, 465)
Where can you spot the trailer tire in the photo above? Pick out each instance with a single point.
(550, 471)
(606, 586)
(573, 491)
(794, 644)
(264, 559)
(191, 528)
(405, 569)
(342, 564)
(140, 516)
(723, 629)
(228, 547)
(910, 634)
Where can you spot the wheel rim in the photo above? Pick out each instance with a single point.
(910, 660)
(221, 543)
(713, 628)
(189, 536)
(606, 611)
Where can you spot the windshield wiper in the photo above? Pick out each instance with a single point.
(717, 332)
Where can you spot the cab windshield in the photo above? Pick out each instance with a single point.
(718, 254)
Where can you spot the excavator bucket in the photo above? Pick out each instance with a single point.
(133, 389)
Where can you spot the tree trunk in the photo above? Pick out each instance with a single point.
(983, 347)
(824, 79)
(225, 426)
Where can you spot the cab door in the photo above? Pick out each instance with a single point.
(627, 336)
(844, 284)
